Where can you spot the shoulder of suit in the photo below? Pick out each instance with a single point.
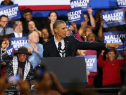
(49, 41)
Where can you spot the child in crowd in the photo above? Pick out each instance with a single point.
(111, 69)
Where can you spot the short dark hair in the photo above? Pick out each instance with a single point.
(57, 23)
(15, 21)
(111, 50)
(96, 39)
(53, 12)
(3, 16)
(28, 10)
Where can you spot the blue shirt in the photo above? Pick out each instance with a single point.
(35, 57)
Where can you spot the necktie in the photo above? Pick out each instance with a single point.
(59, 46)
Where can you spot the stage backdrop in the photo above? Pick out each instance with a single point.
(43, 4)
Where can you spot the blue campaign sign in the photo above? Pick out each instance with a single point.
(10, 50)
(18, 42)
(84, 4)
(114, 37)
(91, 62)
(75, 15)
(113, 18)
(12, 11)
(121, 3)
(103, 4)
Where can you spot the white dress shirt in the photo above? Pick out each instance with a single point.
(17, 35)
(62, 45)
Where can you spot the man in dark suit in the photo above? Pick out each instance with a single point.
(18, 30)
(62, 46)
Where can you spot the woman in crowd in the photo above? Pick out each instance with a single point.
(32, 27)
(52, 18)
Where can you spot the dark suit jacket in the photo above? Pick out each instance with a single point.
(12, 35)
(72, 44)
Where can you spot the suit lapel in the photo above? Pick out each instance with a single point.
(54, 48)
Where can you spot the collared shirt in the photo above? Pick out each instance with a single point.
(17, 35)
(8, 30)
(62, 45)
(35, 57)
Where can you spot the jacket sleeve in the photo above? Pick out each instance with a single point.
(100, 61)
(89, 45)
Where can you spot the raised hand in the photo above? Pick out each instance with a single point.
(30, 49)
(90, 11)
(35, 48)
(74, 25)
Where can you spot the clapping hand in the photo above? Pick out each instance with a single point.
(90, 11)
(35, 48)
(30, 49)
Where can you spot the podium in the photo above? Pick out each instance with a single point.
(70, 71)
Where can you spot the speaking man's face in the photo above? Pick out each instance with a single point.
(61, 30)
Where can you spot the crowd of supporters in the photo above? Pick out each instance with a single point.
(109, 72)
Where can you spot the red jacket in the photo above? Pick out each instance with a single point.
(91, 78)
(111, 70)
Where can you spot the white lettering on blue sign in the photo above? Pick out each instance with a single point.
(114, 38)
(11, 12)
(9, 51)
(113, 16)
(74, 15)
(18, 43)
(121, 2)
(90, 62)
(79, 3)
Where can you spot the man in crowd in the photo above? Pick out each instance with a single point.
(4, 30)
(44, 36)
(29, 17)
(7, 2)
(35, 48)
(18, 30)
(18, 65)
(62, 46)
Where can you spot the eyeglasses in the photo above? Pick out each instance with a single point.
(4, 21)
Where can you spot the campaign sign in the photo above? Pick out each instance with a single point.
(84, 4)
(114, 37)
(121, 3)
(76, 15)
(113, 18)
(18, 42)
(10, 50)
(91, 62)
(12, 11)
